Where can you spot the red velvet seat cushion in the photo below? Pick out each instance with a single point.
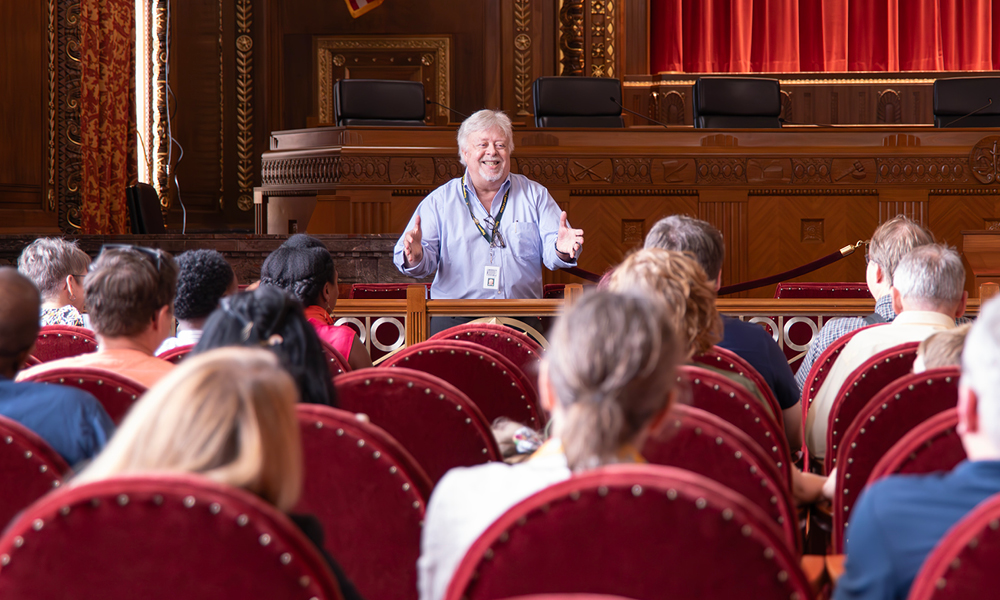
(932, 446)
(115, 392)
(29, 468)
(516, 346)
(62, 341)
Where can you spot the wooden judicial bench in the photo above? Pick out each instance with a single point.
(781, 197)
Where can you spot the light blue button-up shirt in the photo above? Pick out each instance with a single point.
(453, 245)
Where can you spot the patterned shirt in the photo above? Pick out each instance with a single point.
(836, 328)
(64, 315)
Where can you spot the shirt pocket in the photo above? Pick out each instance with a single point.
(524, 239)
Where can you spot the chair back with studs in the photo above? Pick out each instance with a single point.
(727, 360)
(431, 418)
(887, 417)
(834, 290)
(29, 468)
(864, 382)
(198, 540)
(638, 531)
(964, 563)
(62, 341)
(115, 392)
(493, 383)
(933, 446)
(381, 291)
(706, 444)
(518, 347)
(713, 392)
(176, 355)
(335, 360)
(370, 496)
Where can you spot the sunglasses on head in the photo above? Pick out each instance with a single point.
(151, 254)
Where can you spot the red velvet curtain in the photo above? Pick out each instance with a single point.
(787, 36)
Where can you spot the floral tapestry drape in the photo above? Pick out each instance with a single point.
(787, 36)
(107, 40)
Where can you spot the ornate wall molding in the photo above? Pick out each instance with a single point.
(161, 135)
(67, 141)
(603, 31)
(244, 103)
(222, 109)
(571, 38)
(522, 57)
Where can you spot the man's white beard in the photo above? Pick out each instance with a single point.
(484, 172)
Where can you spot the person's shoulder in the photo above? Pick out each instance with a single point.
(745, 330)
(884, 498)
(51, 393)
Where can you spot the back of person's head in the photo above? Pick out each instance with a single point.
(19, 306)
(981, 368)
(301, 240)
(126, 287)
(485, 120)
(228, 414)
(684, 234)
(48, 261)
(270, 318)
(611, 364)
(300, 269)
(931, 277)
(942, 349)
(204, 278)
(893, 240)
(680, 283)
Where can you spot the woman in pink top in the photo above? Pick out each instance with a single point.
(303, 266)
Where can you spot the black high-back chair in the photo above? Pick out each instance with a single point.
(379, 102)
(955, 100)
(737, 103)
(144, 212)
(577, 102)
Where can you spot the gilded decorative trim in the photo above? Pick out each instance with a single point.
(571, 37)
(602, 38)
(67, 117)
(522, 56)
(161, 133)
(244, 103)
(326, 47)
(222, 112)
(51, 196)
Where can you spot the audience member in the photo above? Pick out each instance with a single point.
(130, 295)
(517, 441)
(604, 397)
(899, 520)
(204, 277)
(748, 340)
(304, 267)
(269, 317)
(927, 296)
(942, 349)
(228, 415)
(889, 244)
(72, 421)
(57, 268)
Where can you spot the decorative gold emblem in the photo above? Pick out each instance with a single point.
(985, 159)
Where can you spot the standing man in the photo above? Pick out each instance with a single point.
(488, 232)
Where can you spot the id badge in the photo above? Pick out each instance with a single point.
(491, 278)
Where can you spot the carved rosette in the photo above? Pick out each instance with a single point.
(984, 160)
(244, 101)
(922, 170)
(522, 57)
(544, 170)
(67, 124)
(364, 169)
(571, 37)
(632, 170)
(722, 170)
(602, 38)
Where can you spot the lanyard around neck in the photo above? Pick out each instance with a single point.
(488, 236)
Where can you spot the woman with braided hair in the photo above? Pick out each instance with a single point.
(303, 267)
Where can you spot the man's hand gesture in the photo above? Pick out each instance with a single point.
(569, 241)
(413, 252)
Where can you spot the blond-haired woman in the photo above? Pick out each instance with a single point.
(57, 267)
(229, 415)
(606, 379)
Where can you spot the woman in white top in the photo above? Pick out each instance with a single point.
(607, 379)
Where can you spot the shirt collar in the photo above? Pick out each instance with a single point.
(472, 189)
(924, 317)
(319, 313)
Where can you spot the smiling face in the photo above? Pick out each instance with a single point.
(487, 156)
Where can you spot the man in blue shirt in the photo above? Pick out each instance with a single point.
(900, 519)
(70, 420)
(487, 233)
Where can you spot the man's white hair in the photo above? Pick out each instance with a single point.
(484, 120)
(981, 367)
(932, 273)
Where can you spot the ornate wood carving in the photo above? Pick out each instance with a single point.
(68, 116)
(721, 170)
(244, 103)
(786, 105)
(889, 109)
(922, 170)
(51, 196)
(222, 111)
(811, 170)
(632, 170)
(160, 135)
(446, 169)
(633, 231)
(522, 57)
(571, 37)
(364, 169)
(603, 30)
(811, 230)
(984, 161)
(543, 170)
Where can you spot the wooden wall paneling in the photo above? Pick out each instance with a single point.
(951, 212)
(727, 211)
(788, 229)
(635, 34)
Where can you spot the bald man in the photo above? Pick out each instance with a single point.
(72, 421)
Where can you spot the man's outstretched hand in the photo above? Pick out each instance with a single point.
(569, 241)
(413, 252)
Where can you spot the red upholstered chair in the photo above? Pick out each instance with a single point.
(62, 341)
(932, 446)
(727, 360)
(887, 417)
(864, 382)
(176, 355)
(718, 395)
(822, 289)
(964, 563)
(431, 418)
(638, 531)
(568, 597)
(701, 442)
(369, 494)
(115, 392)
(381, 291)
(29, 468)
(337, 361)
(518, 347)
(158, 537)
(495, 384)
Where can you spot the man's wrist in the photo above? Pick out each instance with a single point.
(563, 256)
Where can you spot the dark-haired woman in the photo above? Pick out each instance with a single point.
(304, 267)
